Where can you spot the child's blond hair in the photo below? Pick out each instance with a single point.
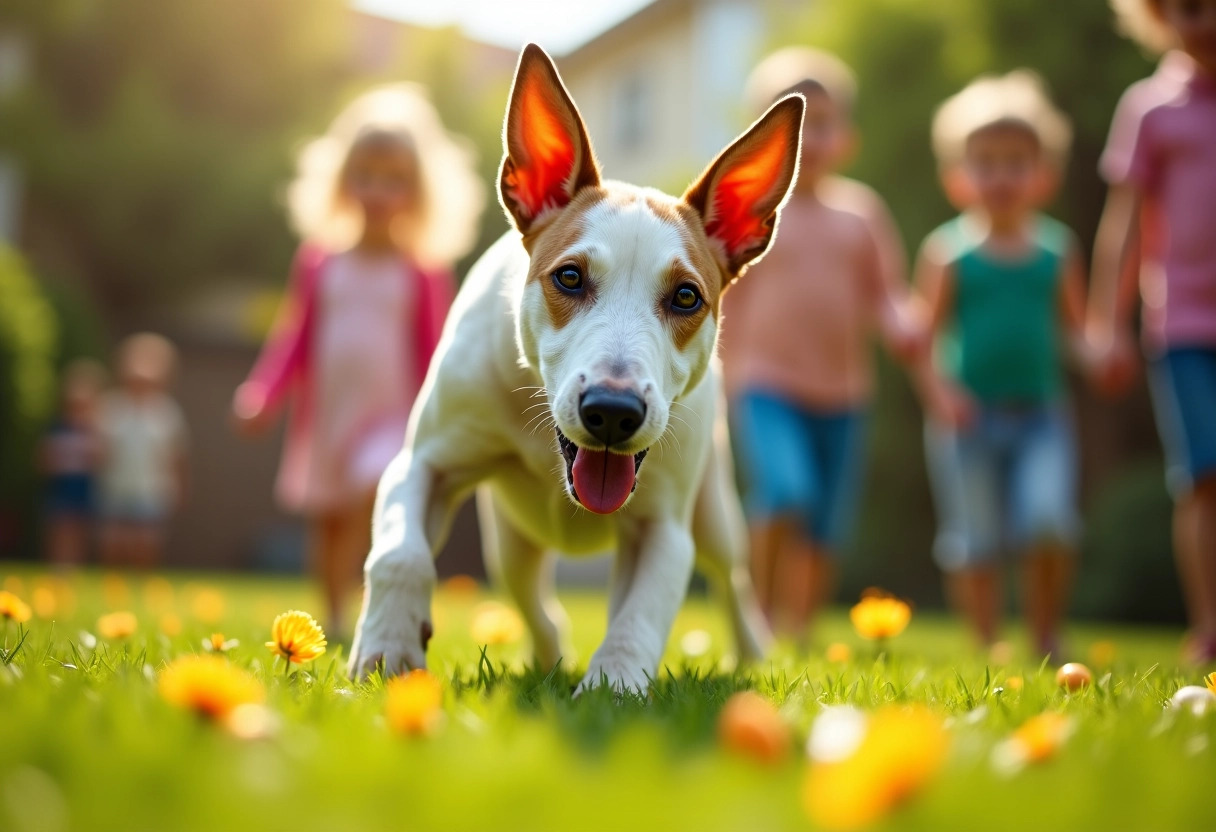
(1018, 99)
(147, 356)
(450, 198)
(1141, 20)
(796, 67)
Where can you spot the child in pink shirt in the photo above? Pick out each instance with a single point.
(796, 347)
(384, 202)
(1160, 225)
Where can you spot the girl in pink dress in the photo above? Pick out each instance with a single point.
(384, 202)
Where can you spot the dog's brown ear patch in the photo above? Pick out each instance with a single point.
(548, 154)
(740, 194)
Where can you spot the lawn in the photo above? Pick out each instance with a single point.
(87, 742)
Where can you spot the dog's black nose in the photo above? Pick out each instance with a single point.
(610, 415)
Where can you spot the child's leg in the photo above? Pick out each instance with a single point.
(67, 541)
(965, 478)
(341, 541)
(806, 578)
(1043, 519)
(1183, 384)
(774, 453)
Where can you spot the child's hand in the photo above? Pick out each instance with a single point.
(951, 406)
(1114, 364)
(909, 342)
(248, 419)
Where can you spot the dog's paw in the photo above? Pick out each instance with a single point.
(619, 674)
(394, 626)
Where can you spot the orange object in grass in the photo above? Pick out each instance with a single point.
(117, 625)
(750, 725)
(1074, 676)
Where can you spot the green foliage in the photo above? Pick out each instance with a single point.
(153, 137)
(86, 742)
(27, 370)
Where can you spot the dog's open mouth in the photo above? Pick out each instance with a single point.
(600, 480)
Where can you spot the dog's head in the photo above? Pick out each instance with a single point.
(619, 312)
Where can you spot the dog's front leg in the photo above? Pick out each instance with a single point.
(410, 520)
(653, 592)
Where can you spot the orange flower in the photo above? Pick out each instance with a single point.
(13, 608)
(1036, 740)
(1210, 681)
(413, 703)
(495, 623)
(297, 637)
(880, 615)
(839, 653)
(1015, 683)
(117, 625)
(903, 748)
(217, 643)
(750, 725)
(209, 686)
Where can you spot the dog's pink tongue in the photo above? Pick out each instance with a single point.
(603, 480)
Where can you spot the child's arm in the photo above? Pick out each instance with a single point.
(896, 316)
(944, 400)
(1113, 289)
(1072, 311)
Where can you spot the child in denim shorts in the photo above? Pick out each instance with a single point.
(1004, 292)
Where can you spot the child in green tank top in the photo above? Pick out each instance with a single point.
(1004, 297)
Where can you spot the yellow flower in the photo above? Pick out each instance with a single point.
(1015, 683)
(209, 686)
(44, 602)
(903, 748)
(1210, 681)
(170, 624)
(880, 615)
(1041, 736)
(750, 725)
(495, 623)
(412, 704)
(297, 637)
(218, 644)
(13, 608)
(839, 652)
(1102, 653)
(207, 604)
(117, 625)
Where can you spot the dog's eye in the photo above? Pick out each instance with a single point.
(569, 279)
(686, 299)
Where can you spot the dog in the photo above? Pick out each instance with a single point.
(575, 389)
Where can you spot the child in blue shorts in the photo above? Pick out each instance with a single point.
(1004, 292)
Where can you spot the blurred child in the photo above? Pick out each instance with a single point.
(796, 346)
(70, 454)
(144, 442)
(1004, 291)
(384, 202)
(1159, 225)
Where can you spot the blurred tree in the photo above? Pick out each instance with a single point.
(153, 136)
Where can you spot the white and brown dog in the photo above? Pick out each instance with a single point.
(604, 306)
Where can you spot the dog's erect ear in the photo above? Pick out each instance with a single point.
(740, 193)
(548, 155)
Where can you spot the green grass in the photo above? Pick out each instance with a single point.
(86, 743)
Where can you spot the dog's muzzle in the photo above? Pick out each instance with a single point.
(600, 480)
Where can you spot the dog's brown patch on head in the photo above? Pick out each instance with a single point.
(683, 325)
(553, 247)
(706, 274)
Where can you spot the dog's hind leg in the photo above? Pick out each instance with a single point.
(525, 570)
(720, 533)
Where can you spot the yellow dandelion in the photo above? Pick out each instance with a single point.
(838, 653)
(1210, 681)
(209, 686)
(1015, 683)
(902, 750)
(880, 615)
(297, 637)
(116, 625)
(13, 608)
(495, 623)
(216, 643)
(413, 703)
(171, 624)
(1102, 653)
(207, 604)
(44, 602)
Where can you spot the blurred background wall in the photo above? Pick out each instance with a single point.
(144, 147)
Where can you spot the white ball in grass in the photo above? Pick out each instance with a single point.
(1195, 699)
